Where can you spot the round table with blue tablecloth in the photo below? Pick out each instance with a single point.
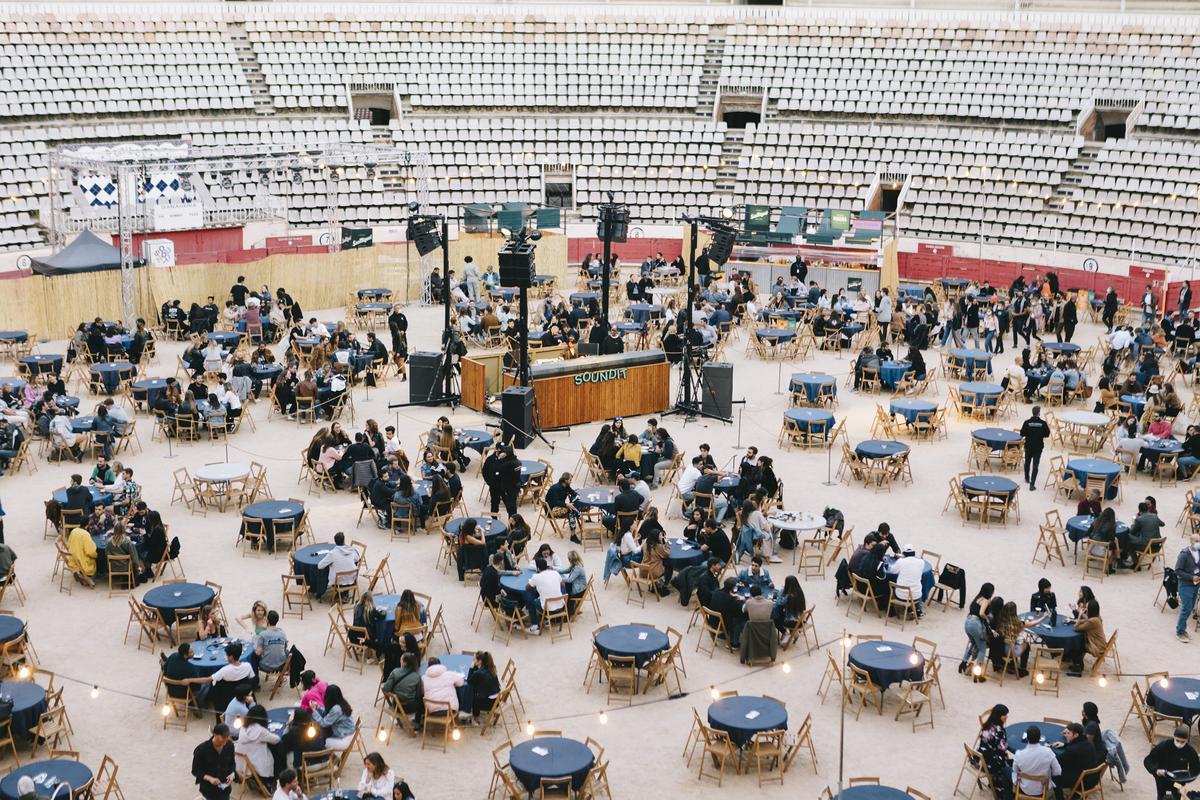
(67, 401)
(972, 359)
(1109, 470)
(83, 423)
(531, 468)
(684, 553)
(368, 307)
(515, 585)
(269, 511)
(374, 294)
(1059, 636)
(476, 440)
(928, 579)
(994, 485)
(98, 498)
(171, 597)
(42, 363)
(208, 655)
(911, 407)
(1079, 527)
(124, 341)
(1060, 348)
(339, 794)
(601, 497)
(980, 393)
(1137, 403)
(10, 627)
(851, 330)
(306, 559)
(12, 384)
(797, 301)
(775, 335)
(542, 280)
(1052, 733)
(47, 776)
(727, 483)
(888, 662)
(642, 642)
(879, 448)
(29, 703)
(1154, 449)
(996, 438)
(148, 390)
(643, 312)
(1179, 698)
(109, 374)
(954, 283)
(550, 757)
(14, 336)
(266, 372)
(811, 382)
(745, 715)
(789, 314)
(890, 372)
(227, 339)
(386, 625)
(505, 293)
(630, 327)
(582, 298)
(874, 793)
(806, 418)
(460, 663)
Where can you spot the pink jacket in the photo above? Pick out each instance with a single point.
(439, 684)
(314, 697)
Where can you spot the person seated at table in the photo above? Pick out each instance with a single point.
(121, 545)
(472, 547)
(484, 683)
(693, 525)
(313, 690)
(60, 426)
(179, 667)
(95, 340)
(11, 439)
(377, 778)
(239, 704)
(1089, 504)
(1091, 625)
(1012, 635)
(271, 645)
(866, 361)
(1043, 600)
(755, 575)
(328, 460)
(410, 617)
(909, 570)
(1035, 760)
(101, 520)
(405, 501)
(706, 484)
(755, 533)
(1145, 527)
(1074, 757)
(208, 624)
(725, 603)
(224, 683)
(359, 451)
(255, 741)
(629, 455)
(789, 607)
(341, 561)
(1104, 529)
(1160, 427)
(545, 590)
(213, 764)
(489, 580)
(440, 684)
(714, 542)
(439, 495)
(336, 718)
(1189, 458)
(560, 498)
(405, 684)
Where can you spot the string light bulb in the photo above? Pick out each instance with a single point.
(23, 673)
(237, 723)
(716, 693)
(166, 710)
(786, 668)
(1164, 682)
(456, 734)
(1040, 678)
(976, 670)
(312, 731)
(529, 728)
(95, 691)
(382, 735)
(1103, 681)
(913, 658)
(603, 717)
(846, 642)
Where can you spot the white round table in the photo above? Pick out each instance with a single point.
(799, 521)
(222, 473)
(1087, 418)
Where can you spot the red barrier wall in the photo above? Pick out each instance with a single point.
(633, 250)
(209, 240)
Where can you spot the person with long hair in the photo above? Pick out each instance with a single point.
(484, 682)
(336, 717)
(790, 605)
(408, 613)
(314, 690)
(519, 534)
(1016, 636)
(377, 778)
(367, 616)
(993, 746)
(976, 628)
(254, 741)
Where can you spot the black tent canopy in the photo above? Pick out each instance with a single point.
(87, 253)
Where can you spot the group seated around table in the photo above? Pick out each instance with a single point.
(131, 527)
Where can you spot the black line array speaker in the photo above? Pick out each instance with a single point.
(517, 264)
(516, 407)
(716, 389)
(423, 383)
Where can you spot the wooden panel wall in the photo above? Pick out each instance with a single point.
(646, 389)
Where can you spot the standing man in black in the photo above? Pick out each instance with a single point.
(502, 474)
(239, 291)
(212, 764)
(1070, 317)
(1034, 431)
(799, 269)
(703, 267)
(1109, 313)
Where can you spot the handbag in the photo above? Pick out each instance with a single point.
(6, 708)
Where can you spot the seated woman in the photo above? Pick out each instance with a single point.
(484, 682)
(472, 547)
(336, 718)
(255, 740)
(82, 561)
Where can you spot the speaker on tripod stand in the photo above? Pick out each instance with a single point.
(516, 408)
(716, 389)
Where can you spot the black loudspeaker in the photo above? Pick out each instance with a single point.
(516, 406)
(516, 264)
(619, 216)
(423, 379)
(716, 389)
(721, 247)
(424, 234)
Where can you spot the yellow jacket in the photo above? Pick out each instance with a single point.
(83, 552)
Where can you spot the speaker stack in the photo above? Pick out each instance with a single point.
(716, 389)
(516, 408)
(423, 383)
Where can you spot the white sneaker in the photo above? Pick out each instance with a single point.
(1183, 637)
(533, 629)
(775, 560)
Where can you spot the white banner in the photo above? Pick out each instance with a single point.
(176, 218)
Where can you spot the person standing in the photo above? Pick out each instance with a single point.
(212, 764)
(1187, 573)
(471, 278)
(1147, 306)
(1108, 314)
(1185, 298)
(1171, 756)
(1020, 318)
(1070, 317)
(502, 474)
(883, 315)
(1034, 431)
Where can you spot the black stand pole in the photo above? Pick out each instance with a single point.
(606, 218)
(523, 330)
(448, 385)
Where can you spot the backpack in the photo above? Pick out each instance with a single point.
(173, 548)
(1170, 584)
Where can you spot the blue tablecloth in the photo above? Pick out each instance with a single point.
(1137, 402)
(630, 327)
(227, 339)
(600, 497)
(68, 401)
(373, 294)
(1060, 347)
(797, 301)
(1051, 733)
(531, 468)
(989, 484)
(52, 772)
(10, 627)
(515, 584)
(874, 793)
(365, 307)
(995, 438)
(339, 794)
(643, 312)
(805, 417)
(727, 483)
(266, 372)
(148, 390)
(729, 714)
(892, 371)
(972, 359)
(583, 297)
(851, 329)
(208, 655)
(640, 641)
(954, 282)
(269, 511)
(910, 408)
(811, 383)
(879, 448)
(43, 363)
(539, 280)
(14, 336)
(108, 373)
(790, 314)
(98, 498)
(29, 703)
(1157, 448)
(1061, 635)
(83, 423)
(170, 597)
(681, 557)
(1080, 526)
(505, 293)
(888, 666)
(907, 290)
(15, 384)
(123, 341)
(985, 394)
(775, 335)
(492, 529)
(476, 440)
(562, 757)
(928, 579)
(306, 560)
(1173, 700)
(1082, 467)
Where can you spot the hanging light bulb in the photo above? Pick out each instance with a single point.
(312, 731)
(1040, 678)
(95, 692)
(603, 717)
(23, 673)
(1103, 681)
(529, 728)
(456, 734)
(166, 710)
(715, 692)
(913, 658)
(237, 723)
(1164, 682)
(976, 670)
(848, 641)
(786, 668)
(382, 735)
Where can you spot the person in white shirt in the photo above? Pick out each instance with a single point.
(318, 328)
(1034, 759)
(687, 478)
(341, 561)
(391, 442)
(753, 517)
(60, 424)
(377, 778)
(548, 585)
(909, 570)
(641, 487)
(288, 787)
(214, 356)
(233, 673)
